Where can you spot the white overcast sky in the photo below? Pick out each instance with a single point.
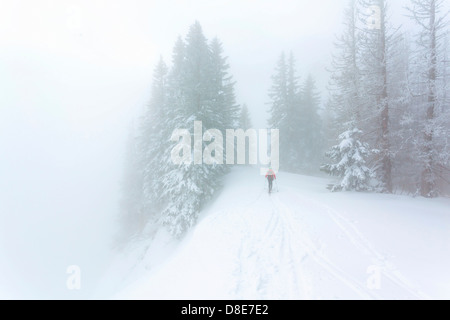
(81, 41)
(73, 73)
(126, 38)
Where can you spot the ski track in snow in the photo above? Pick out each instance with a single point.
(266, 262)
(278, 247)
(313, 251)
(285, 234)
(388, 269)
(272, 255)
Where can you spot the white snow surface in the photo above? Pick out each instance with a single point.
(300, 243)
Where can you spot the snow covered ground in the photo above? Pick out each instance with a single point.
(301, 243)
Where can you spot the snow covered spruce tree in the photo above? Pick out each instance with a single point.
(200, 89)
(349, 163)
(294, 112)
(278, 95)
(310, 128)
(284, 104)
(349, 156)
(430, 92)
(144, 146)
(225, 109)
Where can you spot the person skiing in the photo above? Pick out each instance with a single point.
(270, 176)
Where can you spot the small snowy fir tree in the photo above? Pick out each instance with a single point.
(350, 152)
(350, 163)
(280, 111)
(151, 140)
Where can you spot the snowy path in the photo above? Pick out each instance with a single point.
(296, 244)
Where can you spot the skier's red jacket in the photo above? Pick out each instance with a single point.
(271, 173)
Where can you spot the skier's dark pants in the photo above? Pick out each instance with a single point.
(270, 183)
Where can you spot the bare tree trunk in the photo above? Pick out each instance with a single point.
(354, 58)
(428, 182)
(385, 143)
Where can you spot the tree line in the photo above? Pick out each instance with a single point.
(389, 109)
(384, 128)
